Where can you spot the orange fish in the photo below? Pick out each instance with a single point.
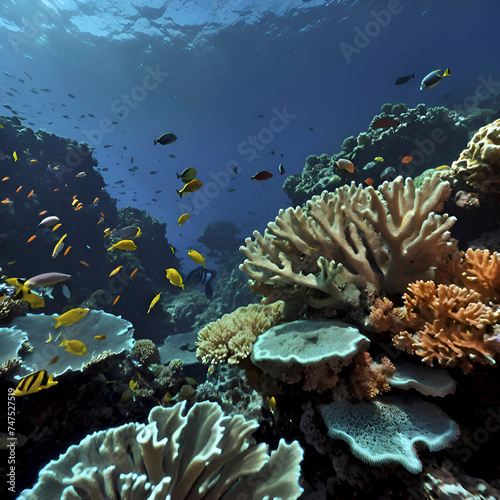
(134, 271)
(84, 263)
(56, 226)
(7, 201)
(43, 212)
(32, 238)
(103, 214)
(53, 360)
(56, 189)
(33, 161)
(66, 251)
(406, 159)
(116, 300)
(74, 197)
(11, 262)
(347, 165)
(5, 178)
(19, 189)
(100, 337)
(31, 192)
(369, 181)
(79, 207)
(95, 201)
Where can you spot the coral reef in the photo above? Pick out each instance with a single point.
(177, 454)
(479, 164)
(230, 338)
(10, 309)
(354, 236)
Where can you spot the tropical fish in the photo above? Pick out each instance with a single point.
(95, 201)
(81, 174)
(134, 271)
(187, 175)
(190, 187)
(59, 246)
(30, 193)
(34, 382)
(183, 218)
(7, 202)
(199, 275)
(49, 221)
(55, 359)
(347, 165)
(14, 155)
(84, 263)
(271, 401)
(24, 293)
(100, 337)
(156, 298)
(57, 226)
(114, 271)
(379, 158)
(384, 122)
(70, 317)
(174, 277)
(19, 189)
(5, 179)
(67, 250)
(116, 300)
(433, 78)
(442, 167)
(406, 159)
(31, 238)
(369, 181)
(281, 169)
(46, 279)
(196, 257)
(124, 245)
(263, 175)
(127, 232)
(404, 79)
(167, 138)
(74, 347)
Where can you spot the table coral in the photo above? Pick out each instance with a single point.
(230, 338)
(479, 164)
(196, 454)
(450, 325)
(354, 236)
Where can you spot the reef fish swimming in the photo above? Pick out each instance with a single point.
(196, 257)
(175, 278)
(263, 175)
(70, 317)
(164, 139)
(433, 78)
(74, 347)
(187, 175)
(190, 187)
(124, 245)
(34, 382)
(46, 279)
(156, 298)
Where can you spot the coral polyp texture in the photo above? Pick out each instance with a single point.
(479, 164)
(230, 338)
(449, 324)
(177, 455)
(353, 237)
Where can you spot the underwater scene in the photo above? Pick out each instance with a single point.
(250, 250)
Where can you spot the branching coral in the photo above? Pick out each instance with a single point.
(354, 236)
(230, 338)
(450, 324)
(198, 454)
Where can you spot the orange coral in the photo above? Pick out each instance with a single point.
(453, 323)
(482, 273)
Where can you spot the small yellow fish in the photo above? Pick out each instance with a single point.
(379, 158)
(183, 218)
(34, 382)
(196, 257)
(124, 245)
(114, 271)
(57, 226)
(174, 277)
(156, 298)
(74, 347)
(59, 246)
(442, 167)
(133, 385)
(100, 337)
(190, 187)
(271, 401)
(70, 317)
(14, 155)
(50, 338)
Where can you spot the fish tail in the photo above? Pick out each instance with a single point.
(155, 142)
(447, 72)
(179, 193)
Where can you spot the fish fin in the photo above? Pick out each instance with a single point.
(447, 72)
(155, 142)
(179, 193)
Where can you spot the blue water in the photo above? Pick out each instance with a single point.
(218, 65)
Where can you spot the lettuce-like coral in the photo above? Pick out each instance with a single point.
(177, 455)
(355, 236)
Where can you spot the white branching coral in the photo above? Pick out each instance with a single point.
(201, 454)
(357, 236)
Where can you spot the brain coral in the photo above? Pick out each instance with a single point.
(201, 454)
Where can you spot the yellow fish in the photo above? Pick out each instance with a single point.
(70, 317)
(24, 293)
(153, 302)
(59, 246)
(190, 187)
(114, 271)
(379, 158)
(196, 257)
(271, 401)
(14, 155)
(34, 382)
(183, 218)
(124, 245)
(74, 347)
(175, 278)
(442, 167)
